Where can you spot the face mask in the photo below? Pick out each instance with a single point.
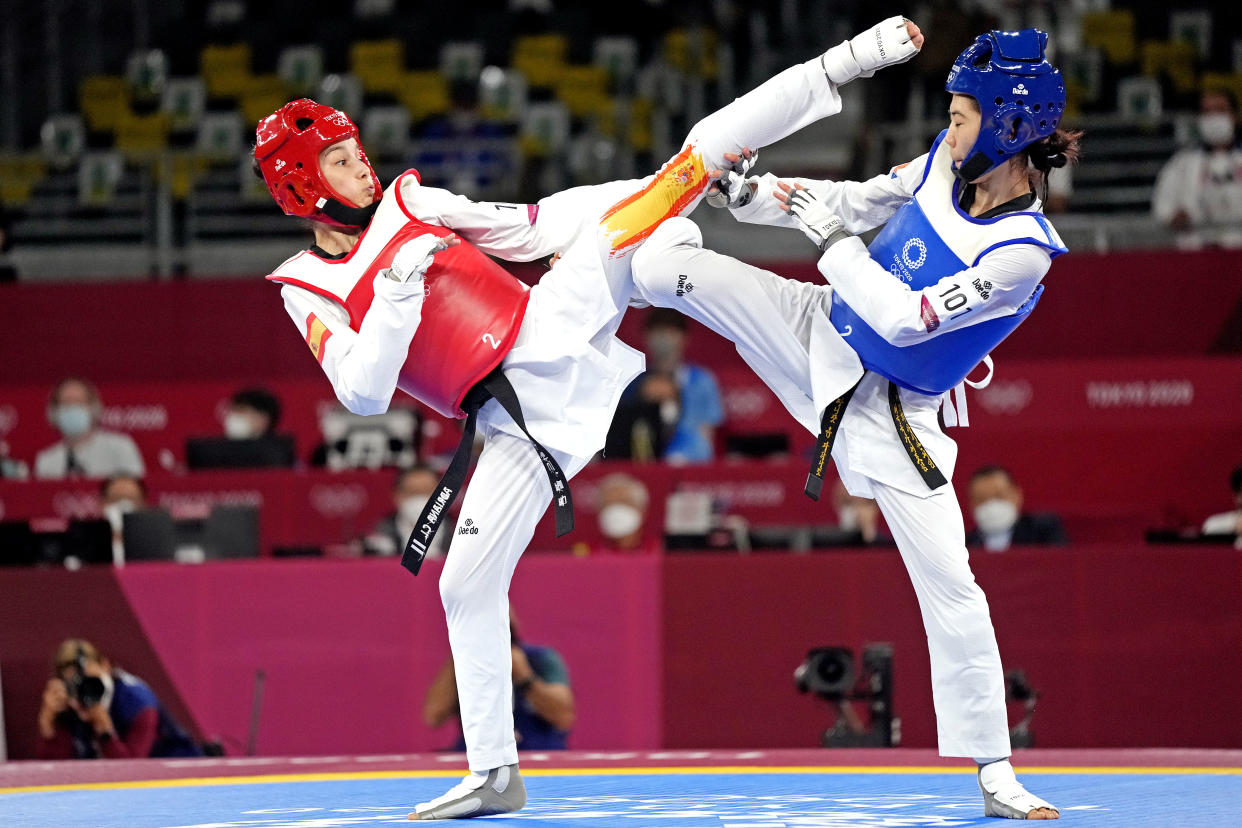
(116, 512)
(73, 420)
(847, 518)
(1216, 128)
(411, 508)
(996, 516)
(669, 412)
(237, 426)
(619, 520)
(662, 347)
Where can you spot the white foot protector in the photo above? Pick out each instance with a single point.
(1004, 796)
(884, 44)
(501, 791)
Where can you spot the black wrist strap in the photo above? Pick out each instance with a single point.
(494, 386)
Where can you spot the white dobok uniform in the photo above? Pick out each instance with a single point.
(782, 329)
(566, 365)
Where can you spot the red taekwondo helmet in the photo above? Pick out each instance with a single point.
(287, 147)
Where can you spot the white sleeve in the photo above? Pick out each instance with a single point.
(1171, 191)
(362, 366)
(130, 458)
(516, 232)
(997, 286)
(861, 205)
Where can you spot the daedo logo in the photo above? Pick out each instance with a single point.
(1020, 89)
(683, 285)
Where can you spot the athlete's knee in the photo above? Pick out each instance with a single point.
(673, 234)
(458, 588)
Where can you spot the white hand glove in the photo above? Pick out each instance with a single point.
(733, 188)
(415, 256)
(884, 44)
(821, 225)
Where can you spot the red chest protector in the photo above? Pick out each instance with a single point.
(472, 308)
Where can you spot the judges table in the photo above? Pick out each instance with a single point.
(1128, 645)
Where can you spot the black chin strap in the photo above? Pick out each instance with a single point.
(973, 167)
(348, 215)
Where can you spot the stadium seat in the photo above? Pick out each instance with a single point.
(18, 176)
(1112, 32)
(225, 69)
(618, 56)
(1174, 59)
(502, 94)
(341, 91)
(461, 61)
(545, 129)
(220, 136)
(146, 70)
(261, 96)
(423, 94)
(98, 176)
(378, 64)
(385, 131)
(540, 58)
(584, 90)
(62, 138)
(103, 100)
(183, 102)
(693, 52)
(301, 68)
(139, 136)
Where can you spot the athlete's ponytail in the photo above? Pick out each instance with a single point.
(1057, 150)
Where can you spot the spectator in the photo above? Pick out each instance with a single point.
(118, 496)
(85, 450)
(672, 410)
(252, 413)
(621, 509)
(999, 520)
(543, 702)
(1199, 191)
(1228, 523)
(411, 490)
(856, 515)
(92, 709)
(699, 407)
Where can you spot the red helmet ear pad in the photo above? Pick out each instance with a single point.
(287, 147)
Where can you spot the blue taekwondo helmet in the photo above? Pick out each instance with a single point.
(1021, 95)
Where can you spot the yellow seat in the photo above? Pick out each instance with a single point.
(693, 52)
(541, 58)
(423, 93)
(1112, 32)
(19, 174)
(639, 134)
(181, 173)
(379, 64)
(225, 69)
(140, 136)
(1222, 82)
(584, 89)
(104, 101)
(261, 96)
(1174, 59)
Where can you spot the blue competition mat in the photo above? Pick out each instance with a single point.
(639, 798)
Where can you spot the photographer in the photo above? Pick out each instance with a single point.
(93, 710)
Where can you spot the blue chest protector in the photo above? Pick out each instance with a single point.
(927, 239)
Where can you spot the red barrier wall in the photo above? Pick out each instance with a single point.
(1130, 645)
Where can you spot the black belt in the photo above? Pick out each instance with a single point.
(830, 424)
(494, 386)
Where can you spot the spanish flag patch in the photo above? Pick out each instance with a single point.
(317, 336)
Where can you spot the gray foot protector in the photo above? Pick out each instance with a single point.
(501, 792)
